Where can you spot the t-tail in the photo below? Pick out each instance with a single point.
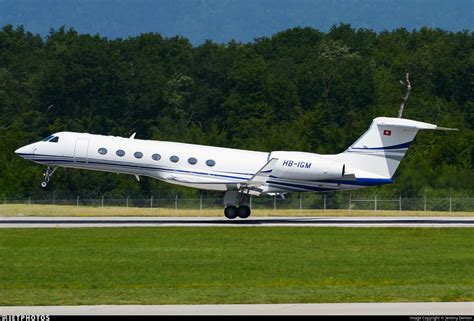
(381, 148)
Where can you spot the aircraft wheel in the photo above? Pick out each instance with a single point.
(244, 211)
(231, 212)
(44, 184)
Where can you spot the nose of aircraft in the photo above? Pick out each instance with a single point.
(25, 150)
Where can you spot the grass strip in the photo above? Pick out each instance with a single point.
(186, 265)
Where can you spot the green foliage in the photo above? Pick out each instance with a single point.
(300, 89)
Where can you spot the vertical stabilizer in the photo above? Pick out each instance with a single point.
(382, 147)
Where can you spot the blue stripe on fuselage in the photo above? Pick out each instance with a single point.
(67, 159)
(361, 181)
(357, 182)
(304, 187)
(70, 160)
(404, 145)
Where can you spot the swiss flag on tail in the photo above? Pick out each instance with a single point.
(387, 132)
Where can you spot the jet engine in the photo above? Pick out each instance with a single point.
(305, 167)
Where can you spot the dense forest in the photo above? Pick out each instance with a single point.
(300, 89)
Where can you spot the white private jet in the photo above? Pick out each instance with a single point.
(371, 160)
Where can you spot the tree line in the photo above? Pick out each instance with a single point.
(300, 89)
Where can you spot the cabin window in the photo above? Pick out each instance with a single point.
(192, 160)
(120, 153)
(210, 162)
(174, 159)
(138, 154)
(156, 157)
(102, 151)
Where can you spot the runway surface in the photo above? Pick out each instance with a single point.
(424, 308)
(74, 222)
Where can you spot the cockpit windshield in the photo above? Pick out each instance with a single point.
(51, 139)
(47, 138)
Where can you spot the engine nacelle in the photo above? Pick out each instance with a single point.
(305, 167)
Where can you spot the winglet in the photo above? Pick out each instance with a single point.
(260, 177)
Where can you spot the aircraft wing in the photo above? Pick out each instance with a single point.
(258, 179)
(193, 180)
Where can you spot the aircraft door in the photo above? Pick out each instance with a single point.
(81, 150)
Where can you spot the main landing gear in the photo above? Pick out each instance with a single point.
(231, 212)
(231, 199)
(47, 174)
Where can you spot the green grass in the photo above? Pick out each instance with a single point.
(8, 210)
(234, 265)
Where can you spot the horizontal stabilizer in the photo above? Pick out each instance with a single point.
(407, 123)
(446, 128)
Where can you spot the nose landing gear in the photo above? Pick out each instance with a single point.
(47, 174)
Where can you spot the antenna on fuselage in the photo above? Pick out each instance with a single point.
(133, 136)
(400, 111)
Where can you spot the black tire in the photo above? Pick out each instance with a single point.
(244, 211)
(231, 212)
